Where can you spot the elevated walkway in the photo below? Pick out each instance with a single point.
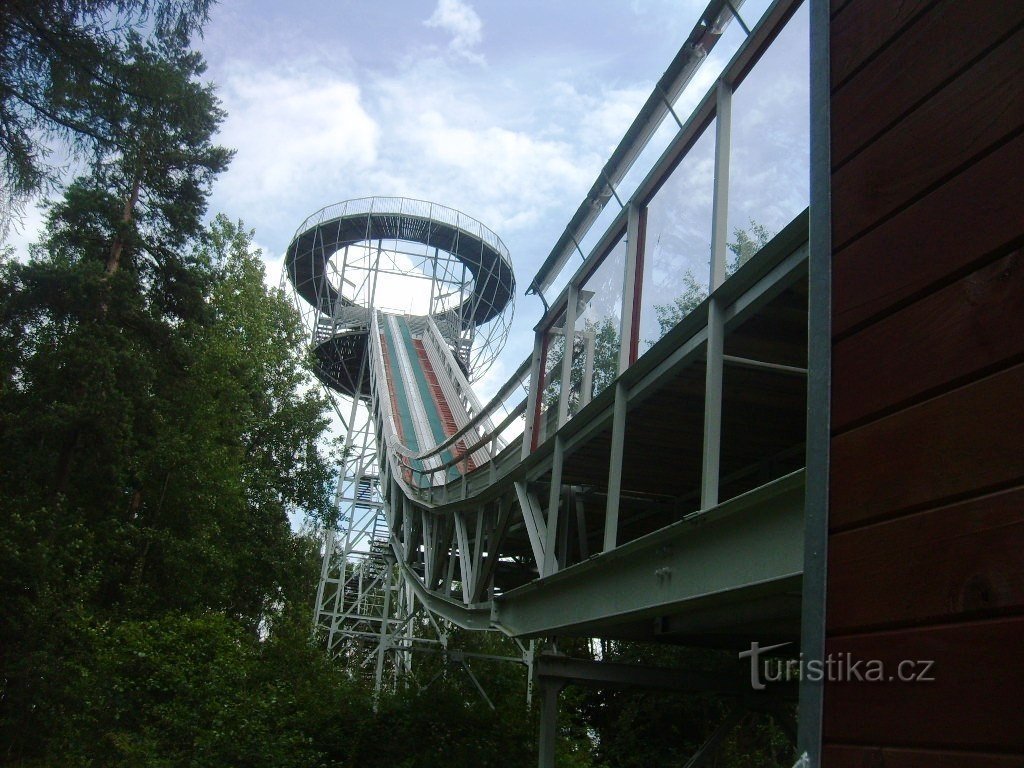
(492, 535)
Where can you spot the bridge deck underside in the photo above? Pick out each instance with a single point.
(762, 434)
(720, 576)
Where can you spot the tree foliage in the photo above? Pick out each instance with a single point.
(605, 341)
(148, 462)
(60, 63)
(157, 427)
(640, 728)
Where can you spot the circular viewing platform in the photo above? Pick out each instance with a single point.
(334, 263)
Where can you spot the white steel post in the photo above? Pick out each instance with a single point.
(325, 567)
(549, 690)
(533, 394)
(551, 534)
(716, 327)
(616, 453)
(384, 630)
(629, 285)
(626, 330)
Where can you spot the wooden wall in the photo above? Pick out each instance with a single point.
(926, 520)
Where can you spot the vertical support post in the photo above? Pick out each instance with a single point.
(549, 691)
(465, 557)
(433, 270)
(384, 630)
(563, 530)
(325, 567)
(450, 573)
(533, 394)
(551, 534)
(428, 548)
(616, 452)
(819, 367)
(720, 200)
(410, 608)
(568, 341)
(482, 517)
(360, 592)
(629, 287)
(398, 503)
(716, 312)
(528, 654)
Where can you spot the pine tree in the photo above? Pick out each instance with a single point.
(48, 48)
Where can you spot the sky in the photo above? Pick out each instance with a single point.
(504, 110)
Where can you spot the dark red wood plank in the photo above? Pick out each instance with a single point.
(974, 702)
(973, 325)
(878, 757)
(975, 213)
(933, 49)
(864, 27)
(961, 561)
(835, 6)
(964, 442)
(969, 116)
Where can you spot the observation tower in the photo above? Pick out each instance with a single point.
(405, 257)
(430, 290)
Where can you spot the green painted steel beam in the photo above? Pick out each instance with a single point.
(476, 617)
(745, 549)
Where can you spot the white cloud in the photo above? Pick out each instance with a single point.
(503, 171)
(292, 130)
(486, 147)
(517, 150)
(600, 115)
(463, 23)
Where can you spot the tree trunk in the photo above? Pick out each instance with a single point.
(117, 248)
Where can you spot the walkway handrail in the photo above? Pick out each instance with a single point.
(405, 455)
(702, 39)
(514, 414)
(499, 397)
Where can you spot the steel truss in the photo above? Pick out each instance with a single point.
(338, 267)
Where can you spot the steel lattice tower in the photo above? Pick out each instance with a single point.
(346, 262)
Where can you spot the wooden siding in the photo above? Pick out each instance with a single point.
(926, 518)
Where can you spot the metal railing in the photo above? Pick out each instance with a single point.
(485, 428)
